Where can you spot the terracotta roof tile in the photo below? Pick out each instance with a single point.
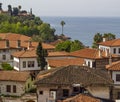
(32, 53)
(13, 36)
(112, 43)
(81, 98)
(115, 66)
(65, 62)
(90, 53)
(70, 75)
(25, 54)
(13, 76)
(87, 53)
(58, 53)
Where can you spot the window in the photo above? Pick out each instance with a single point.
(93, 64)
(118, 95)
(11, 57)
(7, 43)
(119, 50)
(76, 89)
(14, 88)
(52, 94)
(4, 57)
(114, 50)
(24, 64)
(19, 42)
(117, 77)
(4, 50)
(89, 64)
(30, 63)
(65, 92)
(41, 92)
(8, 88)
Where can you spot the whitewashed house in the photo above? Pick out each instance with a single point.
(10, 43)
(61, 83)
(112, 46)
(94, 58)
(13, 83)
(114, 69)
(25, 61)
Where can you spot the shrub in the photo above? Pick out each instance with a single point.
(6, 66)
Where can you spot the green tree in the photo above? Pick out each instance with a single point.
(76, 45)
(109, 36)
(62, 24)
(41, 54)
(97, 39)
(6, 66)
(69, 46)
(46, 32)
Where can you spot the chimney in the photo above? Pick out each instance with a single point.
(29, 45)
(110, 59)
(18, 43)
(100, 53)
(105, 39)
(7, 44)
(107, 52)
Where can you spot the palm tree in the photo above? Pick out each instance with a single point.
(62, 24)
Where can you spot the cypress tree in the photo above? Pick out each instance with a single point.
(41, 54)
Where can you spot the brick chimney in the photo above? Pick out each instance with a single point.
(100, 53)
(29, 45)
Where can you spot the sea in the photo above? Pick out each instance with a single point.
(84, 28)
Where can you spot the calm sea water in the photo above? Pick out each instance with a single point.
(84, 28)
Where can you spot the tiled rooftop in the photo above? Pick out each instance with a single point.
(70, 75)
(112, 43)
(65, 62)
(13, 76)
(80, 98)
(58, 53)
(115, 66)
(90, 53)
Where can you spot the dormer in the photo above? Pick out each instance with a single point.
(7, 44)
(18, 43)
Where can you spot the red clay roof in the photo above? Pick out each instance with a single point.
(58, 53)
(65, 62)
(13, 76)
(25, 54)
(90, 53)
(24, 40)
(80, 98)
(86, 53)
(32, 53)
(115, 66)
(111, 43)
(14, 37)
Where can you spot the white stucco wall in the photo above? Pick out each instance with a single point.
(91, 62)
(114, 77)
(98, 91)
(21, 60)
(20, 88)
(110, 49)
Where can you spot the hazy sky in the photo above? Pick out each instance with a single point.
(68, 7)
